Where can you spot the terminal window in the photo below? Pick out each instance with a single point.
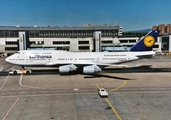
(84, 47)
(123, 41)
(11, 48)
(129, 45)
(11, 42)
(61, 42)
(36, 42)
(83, 42)
(132, 41)
(156, 46)
(107, 41)
(8, 33)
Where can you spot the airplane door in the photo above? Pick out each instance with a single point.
(97, 59)
(75, 60)
(27, 60)
(48, 60)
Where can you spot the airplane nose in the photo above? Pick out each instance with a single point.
(7, 59)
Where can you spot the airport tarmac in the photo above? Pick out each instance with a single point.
(46, 95)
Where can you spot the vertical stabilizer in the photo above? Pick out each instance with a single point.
(146, 43)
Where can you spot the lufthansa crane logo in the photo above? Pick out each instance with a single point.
(149, 41)
(21, 40)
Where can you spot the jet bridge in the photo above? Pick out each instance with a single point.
(97, 41)
(23, 41)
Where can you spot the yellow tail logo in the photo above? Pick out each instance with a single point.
(149, 41)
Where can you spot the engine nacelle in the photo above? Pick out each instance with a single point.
(67, 68)
(64, 69)
(88, 70)
(91, 69)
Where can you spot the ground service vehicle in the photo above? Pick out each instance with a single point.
(15, 71)
(102, 92)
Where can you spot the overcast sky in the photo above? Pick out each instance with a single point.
(130, 14)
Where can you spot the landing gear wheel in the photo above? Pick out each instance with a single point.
(27, 72)
(15, 72)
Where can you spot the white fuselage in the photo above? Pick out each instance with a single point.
(57, 58)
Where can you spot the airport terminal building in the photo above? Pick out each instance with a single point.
(76, 38)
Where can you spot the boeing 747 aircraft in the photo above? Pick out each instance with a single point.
(89, 62)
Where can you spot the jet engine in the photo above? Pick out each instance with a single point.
(91, 69)
(67, 68)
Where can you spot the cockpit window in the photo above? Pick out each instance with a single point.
(17, 53)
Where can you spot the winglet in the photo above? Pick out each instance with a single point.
(146, 43)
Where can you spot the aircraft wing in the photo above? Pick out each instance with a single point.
(55, 63)
(78, 64)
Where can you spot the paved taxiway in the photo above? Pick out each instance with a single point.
(46, 96)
